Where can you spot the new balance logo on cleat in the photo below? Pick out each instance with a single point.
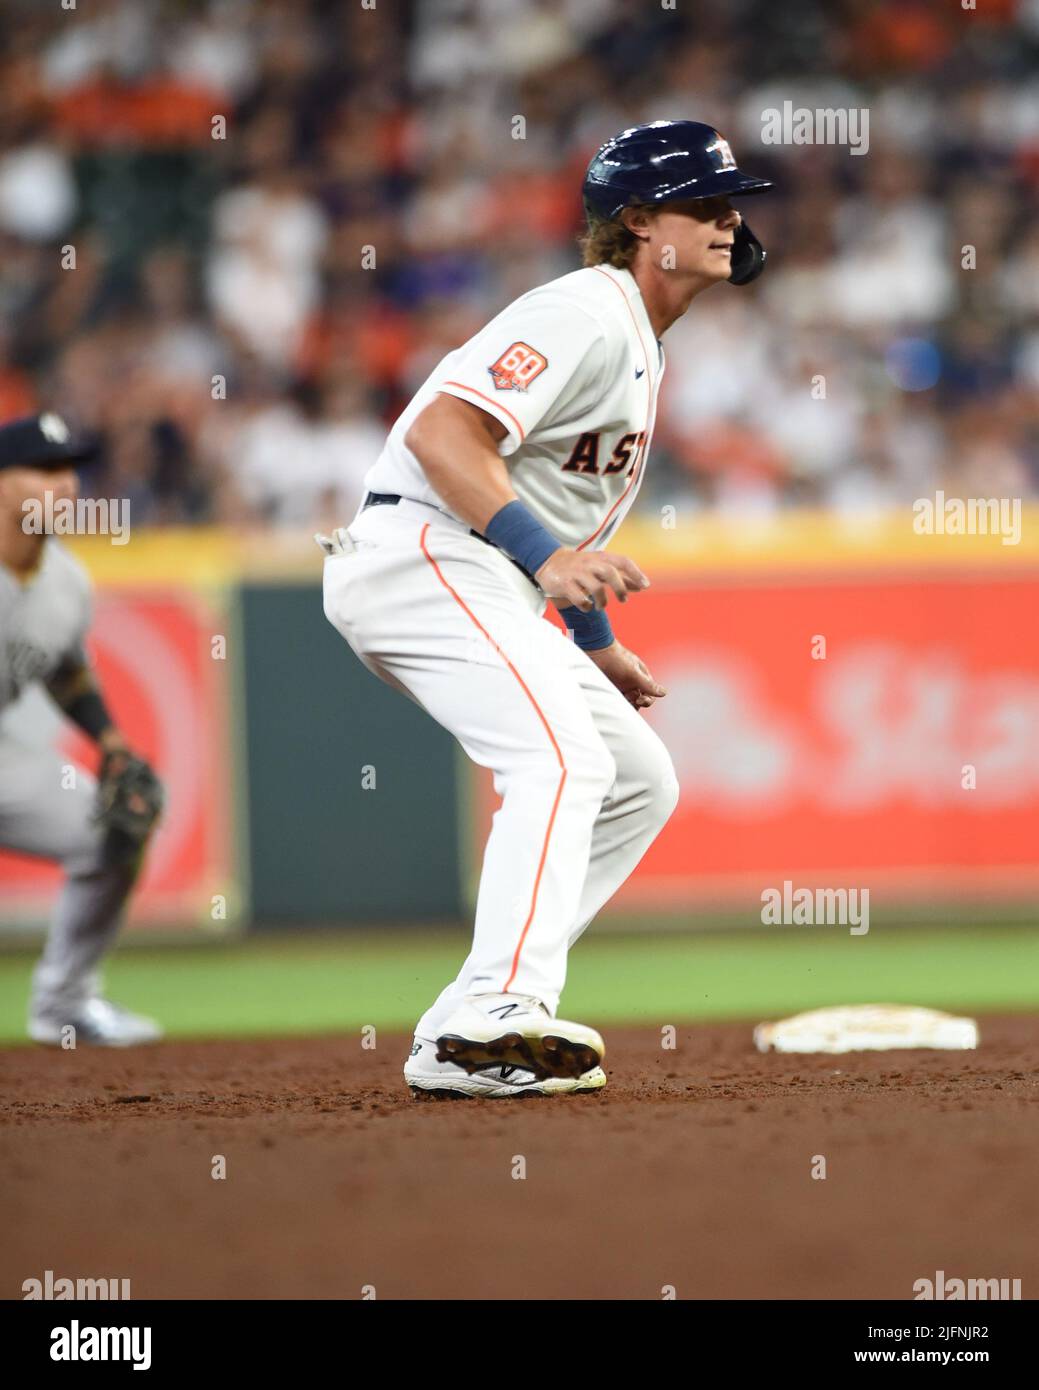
(506, 1010)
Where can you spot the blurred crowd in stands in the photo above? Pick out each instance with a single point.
(236, 234)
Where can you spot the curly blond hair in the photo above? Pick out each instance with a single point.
(610, 243)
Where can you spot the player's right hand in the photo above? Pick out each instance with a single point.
(584, 577)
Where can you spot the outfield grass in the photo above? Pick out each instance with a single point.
(333, 982)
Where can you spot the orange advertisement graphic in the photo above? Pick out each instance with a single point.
(881, 733)
(168, 694)
(905, 749)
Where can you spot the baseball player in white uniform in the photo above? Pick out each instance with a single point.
(96, 831)
(498, 491)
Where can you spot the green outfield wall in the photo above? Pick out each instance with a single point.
(353, 790)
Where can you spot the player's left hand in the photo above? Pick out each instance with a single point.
(629, 673)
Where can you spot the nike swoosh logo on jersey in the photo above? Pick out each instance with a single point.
(639, 371)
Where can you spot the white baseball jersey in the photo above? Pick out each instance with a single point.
(43, 619)
(572, 370)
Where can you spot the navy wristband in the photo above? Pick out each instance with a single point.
(591, 631)
(521, 536)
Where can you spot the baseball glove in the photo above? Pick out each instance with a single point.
(129, 801)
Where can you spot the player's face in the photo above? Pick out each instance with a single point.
(701, 230)
(21, 485)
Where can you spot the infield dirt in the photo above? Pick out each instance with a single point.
(693, 1169)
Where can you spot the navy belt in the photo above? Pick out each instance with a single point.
(390, 499)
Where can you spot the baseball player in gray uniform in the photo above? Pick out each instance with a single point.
(497, 491)
(96, 829)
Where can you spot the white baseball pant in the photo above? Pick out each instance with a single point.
(586, 785)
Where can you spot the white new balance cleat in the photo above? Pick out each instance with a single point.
(517, 1030)
(97, 1023)
(426, 1076)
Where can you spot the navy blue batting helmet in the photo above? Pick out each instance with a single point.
(667, 160)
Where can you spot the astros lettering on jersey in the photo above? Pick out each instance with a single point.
(572, 370)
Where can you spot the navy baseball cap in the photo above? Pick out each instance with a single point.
(43, 441)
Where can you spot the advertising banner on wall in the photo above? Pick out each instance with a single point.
(166, 684)
(874, 731)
